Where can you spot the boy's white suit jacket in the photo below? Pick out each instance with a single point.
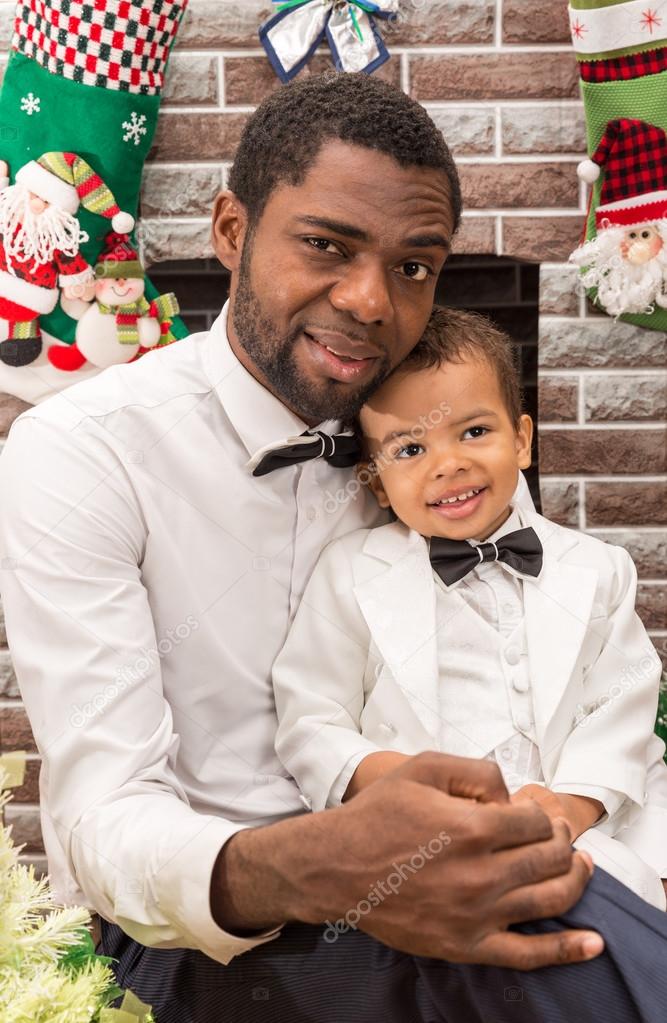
(359, 671)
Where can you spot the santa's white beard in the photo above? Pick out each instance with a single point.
(622, 287)
(27, 235)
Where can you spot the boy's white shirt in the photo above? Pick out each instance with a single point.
(359, 673)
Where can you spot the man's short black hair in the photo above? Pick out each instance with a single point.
(283, 137)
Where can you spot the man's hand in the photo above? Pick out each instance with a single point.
(432, 859)
(579, 812)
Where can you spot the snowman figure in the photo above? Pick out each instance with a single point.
(119, 323)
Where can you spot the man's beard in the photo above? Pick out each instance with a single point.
(36, 236)
(275, 357)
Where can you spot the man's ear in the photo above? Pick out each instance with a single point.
(229, 228)
(368, 474)
(524, 440)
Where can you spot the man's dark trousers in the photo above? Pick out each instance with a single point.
(304, 975)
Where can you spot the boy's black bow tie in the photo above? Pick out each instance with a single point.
(453, 559)
(340, 450)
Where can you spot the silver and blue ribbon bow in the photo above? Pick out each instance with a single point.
(291, 36)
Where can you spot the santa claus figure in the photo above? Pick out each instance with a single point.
(627, 260)
(39, 244)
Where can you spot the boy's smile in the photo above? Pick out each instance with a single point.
(446, 452)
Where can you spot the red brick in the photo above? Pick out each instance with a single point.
(651, 605)
(648, 550)
(197, 136)
(526, 22)
(615, 398)
(560, 501)
(488, 76)
(599, 343)
(26, 827)
(558, 399)
(626, 504)
(602, 452)
(29, 791)
(545, 239)
(493, 185)
(10, 408)
(440, 22)
(249, 80)
(15, 731)
(476, 236)
(210, 24)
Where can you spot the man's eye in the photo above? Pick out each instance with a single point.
(409, 451)
(633, 234)
(322, 245)
(646, 234)
(415, 271)
(476, 431)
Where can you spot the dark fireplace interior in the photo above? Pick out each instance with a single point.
(506, 290)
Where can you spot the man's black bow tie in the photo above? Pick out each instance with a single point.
(453, 559)
(340, 450)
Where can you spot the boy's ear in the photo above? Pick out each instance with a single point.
(368, 475)
(524, 441)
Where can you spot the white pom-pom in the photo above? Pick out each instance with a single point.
(588, 171)
(123, 223)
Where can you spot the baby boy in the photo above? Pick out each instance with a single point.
(474, 626)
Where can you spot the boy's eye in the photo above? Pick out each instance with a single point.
(476, 431)
(415, 271)
(409, 451)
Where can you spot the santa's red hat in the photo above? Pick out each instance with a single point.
(633, 155)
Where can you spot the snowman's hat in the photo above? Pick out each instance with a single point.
(118, 258)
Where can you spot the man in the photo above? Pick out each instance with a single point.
(155, 550)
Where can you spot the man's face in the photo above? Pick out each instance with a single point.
(337, 282)
(446, 455)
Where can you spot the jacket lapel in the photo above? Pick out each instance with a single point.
(398, 603)
(557, 611)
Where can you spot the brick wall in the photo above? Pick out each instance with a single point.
(500, 79)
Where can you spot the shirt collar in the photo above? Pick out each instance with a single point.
(512, 522)
(258, 417)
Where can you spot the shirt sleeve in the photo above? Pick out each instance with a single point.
(72, 538)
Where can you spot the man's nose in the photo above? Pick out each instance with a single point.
(364, 293)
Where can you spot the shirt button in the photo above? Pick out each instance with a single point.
(508, 608)
(306, 802)
(506, 753)
(521, 683)
(311, 513)
(387, 728)
(524, 721)
(512, 655)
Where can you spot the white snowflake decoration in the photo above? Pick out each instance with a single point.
(135, 128)
(30, 104)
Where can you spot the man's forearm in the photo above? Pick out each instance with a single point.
(253, 886)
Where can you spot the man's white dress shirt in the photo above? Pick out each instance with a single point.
(149, 581)
(486, 700)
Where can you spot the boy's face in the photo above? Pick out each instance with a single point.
(440, 433)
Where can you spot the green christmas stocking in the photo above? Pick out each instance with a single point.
(78, 111)
(621, 48)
